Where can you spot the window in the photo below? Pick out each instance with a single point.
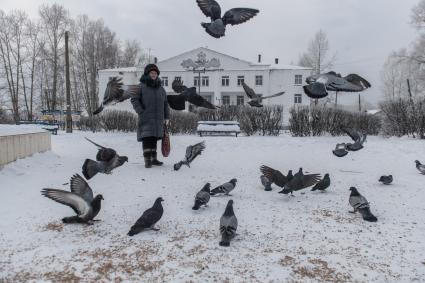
(297, 98)
(241, 79)
(164, 81)
(196, 81)
(225, 100)
(258, 80)
(178, 79)
(205, 81)
(225, 81)
(298, 79)
(240, 100)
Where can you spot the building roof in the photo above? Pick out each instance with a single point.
(272, 66)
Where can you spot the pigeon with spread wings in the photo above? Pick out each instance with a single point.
(177, 102)
(319, 85)
(117, 92)
(107, 160)
(192, 151)
(255, 100)
(80, 199)
(217, 27)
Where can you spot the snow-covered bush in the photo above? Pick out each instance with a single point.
(404, 117)
(5, 118)
(110, 120)
(316, 121)
(183, 122)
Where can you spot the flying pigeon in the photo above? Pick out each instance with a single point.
(299, 182)
(228, 225)
(177, 102)
(357, 137)
(148, 218)
(202, 197)
(360, 204)
(319, 85)
(226, 188)
(266, 183)
(217, 26)
(192, 151)
(107, 160)
(340, 150)
(80, 199)
(275, 176)
(323, 184)
(420, 166)
(255, 100)
(116, 92)
(386, 180)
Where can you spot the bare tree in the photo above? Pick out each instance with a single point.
(54, 20)
(131, 54)
(317, 55)
(418, 15)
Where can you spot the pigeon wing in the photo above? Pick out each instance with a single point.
(273, 95)
(249, 91)
(197, 99)
(274, 176)
(353, 134)
(148, 218)
(194, 150)
(210, 8)
(80, 187)
(237, 16)
(176, 102)
(76, 202)
(358, 80)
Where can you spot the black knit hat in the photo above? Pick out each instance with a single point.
(149, 68)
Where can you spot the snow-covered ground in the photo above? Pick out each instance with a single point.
(307, 238)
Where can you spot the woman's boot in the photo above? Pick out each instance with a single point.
(147, 154)
(154, 160)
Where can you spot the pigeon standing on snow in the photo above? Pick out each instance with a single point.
(420, 166)
(80, 199)
(226, 188)
(340, 150)
(148, 218)
(255, 100)
(192, 151)
(202, 197)
(234, 16)
(228, 225)
(107, 160)
(275, 176)
(266, 183)
(386, 180)
(323, 184)
(360, 204)
(299, 182)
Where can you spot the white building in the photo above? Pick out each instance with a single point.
(221, 83)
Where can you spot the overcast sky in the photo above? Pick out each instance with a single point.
(361, 32)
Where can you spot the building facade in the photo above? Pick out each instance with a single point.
(218, 78)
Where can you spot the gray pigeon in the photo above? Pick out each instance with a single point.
(228, 225)
(420, 166)
(323, 184)
(357, 137)
(192, 151)
(178, 102)
(202, 197)
(299, 182)
(275, 176)
(80, 199)
(148, 219)
(360, 204)
(116, 92)
(255, 100)
(107, 160)
(266, 183)
(340, 150)
(386, 180)
(226, 188)
(217, 26)
(319, 85)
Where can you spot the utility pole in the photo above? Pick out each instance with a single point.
(68, 87)
(360, 105)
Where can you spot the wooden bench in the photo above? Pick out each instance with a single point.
(218, 127)
(53, 130)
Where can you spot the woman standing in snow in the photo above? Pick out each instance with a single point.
(152, 108)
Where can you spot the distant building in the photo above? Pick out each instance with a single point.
(221, 83)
